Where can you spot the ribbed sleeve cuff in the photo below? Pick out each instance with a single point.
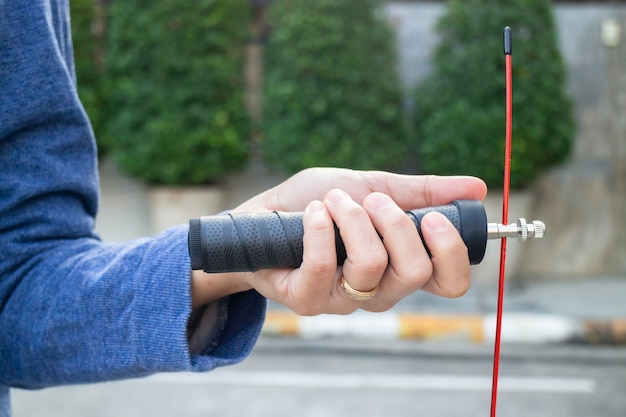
(234, 332)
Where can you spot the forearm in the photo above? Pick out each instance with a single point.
(90, 312)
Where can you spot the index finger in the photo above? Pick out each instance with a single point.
(410, 192)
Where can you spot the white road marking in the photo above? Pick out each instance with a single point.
(378, 381)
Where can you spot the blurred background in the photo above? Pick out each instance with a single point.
(197, 106)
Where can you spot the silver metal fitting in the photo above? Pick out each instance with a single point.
(521, 230)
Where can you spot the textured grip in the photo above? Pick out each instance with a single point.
(253, 241)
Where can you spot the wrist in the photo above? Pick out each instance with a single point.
(206, 288)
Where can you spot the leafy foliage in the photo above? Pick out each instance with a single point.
(177, 102)
(460, 108)
(88, 47)
(332, 94)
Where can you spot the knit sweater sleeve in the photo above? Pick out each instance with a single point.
(87, 311)
(74, 309)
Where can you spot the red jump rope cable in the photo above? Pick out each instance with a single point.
(505, 213)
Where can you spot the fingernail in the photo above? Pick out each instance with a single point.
(378, 201)
(316, 206)
(436, 222)
(336, 196)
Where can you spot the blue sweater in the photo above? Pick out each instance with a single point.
(74, 309)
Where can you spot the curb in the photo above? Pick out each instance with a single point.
(527, 328)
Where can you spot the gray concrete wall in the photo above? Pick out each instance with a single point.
(582, 202)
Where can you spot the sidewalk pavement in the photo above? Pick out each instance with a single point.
(588, 310)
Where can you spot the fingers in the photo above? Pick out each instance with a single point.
(397, 264)
(409, 265)
(305, 290)
(451, 268)
(315, 287)
(410, 268)
(315, 279)
(408, 191)
(367, 256)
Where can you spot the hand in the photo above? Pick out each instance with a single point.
(364, 205)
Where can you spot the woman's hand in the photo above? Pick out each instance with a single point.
(365, 206)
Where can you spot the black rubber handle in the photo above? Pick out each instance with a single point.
(253, 241)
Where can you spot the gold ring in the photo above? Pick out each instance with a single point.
(356, 294)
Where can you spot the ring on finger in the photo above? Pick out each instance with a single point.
(356, 294)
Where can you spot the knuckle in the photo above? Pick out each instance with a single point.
(314, 171)
(416, 274)
(395, 223)
(319, 266)
(345, 309)
(400, 220)
(371, 264)
(449, 249)
(457, 289)
(380, 307)
(315, 224)
(306, 304)
(304, 308)
(355, 212)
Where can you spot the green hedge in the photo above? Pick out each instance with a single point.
(332, 95)
(460, 108)
(177, 111)
(88, 49)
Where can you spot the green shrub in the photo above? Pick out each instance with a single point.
(460, 108)
(88, 50)
(332, 95)
(177, 102)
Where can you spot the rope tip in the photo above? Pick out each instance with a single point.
(507, 41)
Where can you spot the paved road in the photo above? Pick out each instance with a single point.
(339, 378)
